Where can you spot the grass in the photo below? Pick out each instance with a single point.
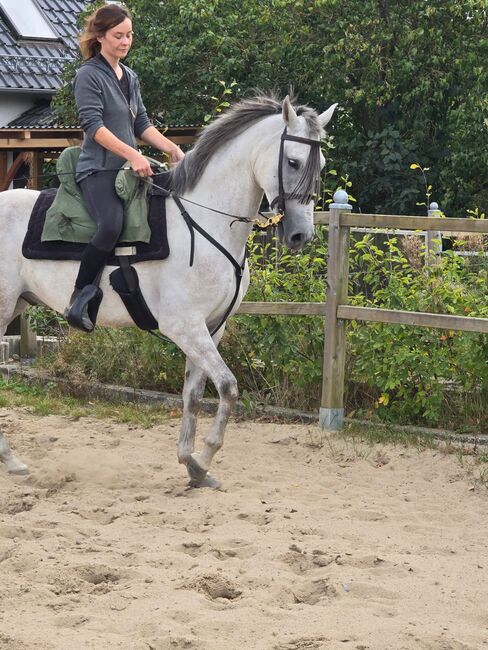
(473, 459)
(378, 434)
(50, 400)
(358, 438)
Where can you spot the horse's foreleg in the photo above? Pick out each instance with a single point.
(201, 351)
(193, 388)
(14, 465)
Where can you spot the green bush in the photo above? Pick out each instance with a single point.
(396, 373)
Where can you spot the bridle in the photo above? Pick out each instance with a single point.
(280, 200)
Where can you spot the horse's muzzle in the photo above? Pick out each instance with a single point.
(295, 238)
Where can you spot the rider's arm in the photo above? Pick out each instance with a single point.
(105, 138)
(157, 140)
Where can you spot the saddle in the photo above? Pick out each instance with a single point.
(57, 215)
(60, 225)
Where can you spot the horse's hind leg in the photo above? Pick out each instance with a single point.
(14, 465)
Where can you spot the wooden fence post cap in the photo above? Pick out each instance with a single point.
(341, 199)
(434, 210)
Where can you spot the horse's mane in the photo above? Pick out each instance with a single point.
(230, 124)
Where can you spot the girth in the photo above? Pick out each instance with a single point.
(125, 281)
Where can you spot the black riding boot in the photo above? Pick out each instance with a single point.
(85, 300)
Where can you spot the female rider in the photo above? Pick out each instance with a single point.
(112, 116)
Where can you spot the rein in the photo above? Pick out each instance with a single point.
(271, 221)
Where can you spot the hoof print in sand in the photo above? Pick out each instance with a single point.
(310, 593)
(214, 587)
(315, 643)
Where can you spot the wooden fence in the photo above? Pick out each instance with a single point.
(336, 310)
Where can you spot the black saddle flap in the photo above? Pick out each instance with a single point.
(125, 282)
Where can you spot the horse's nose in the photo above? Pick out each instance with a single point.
(298, 239)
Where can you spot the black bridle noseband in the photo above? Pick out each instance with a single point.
(312, 168)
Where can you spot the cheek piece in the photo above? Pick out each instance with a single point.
(307, 186)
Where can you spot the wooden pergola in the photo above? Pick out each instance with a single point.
(32, 146)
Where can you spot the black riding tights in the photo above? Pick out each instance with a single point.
(106, 209)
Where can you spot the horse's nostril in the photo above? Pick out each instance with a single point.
(297, 238)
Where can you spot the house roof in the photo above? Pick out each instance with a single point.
(41, 116)
(37, 66)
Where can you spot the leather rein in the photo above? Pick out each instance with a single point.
(280, 201)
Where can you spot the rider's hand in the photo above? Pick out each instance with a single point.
(140, 164)
(175, 154)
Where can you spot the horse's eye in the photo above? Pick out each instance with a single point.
(293, 163)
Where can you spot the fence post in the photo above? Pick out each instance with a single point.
(433, 240)
(28, 338)
(332, 404)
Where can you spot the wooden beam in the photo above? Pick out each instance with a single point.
(62, 138)
(448, 224)
(20, 160)
(35, 175)
(332, 401)
(28, 338)
(3, 167)
(42, 144)
(414, 318)
(283, 308)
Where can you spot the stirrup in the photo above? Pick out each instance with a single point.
(82, 313)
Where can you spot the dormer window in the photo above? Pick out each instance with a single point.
(27, 21)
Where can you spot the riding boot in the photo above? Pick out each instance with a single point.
(85, 300)
(81, 311)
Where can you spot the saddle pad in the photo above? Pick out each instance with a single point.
(156, 249)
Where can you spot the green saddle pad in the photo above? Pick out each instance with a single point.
(69, 220)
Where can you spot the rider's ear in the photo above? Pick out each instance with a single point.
(289, 115)
(324, 118)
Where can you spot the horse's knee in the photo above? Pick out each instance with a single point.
(193, 402)
(228, 390)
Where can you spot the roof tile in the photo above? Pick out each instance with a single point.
(43, 70)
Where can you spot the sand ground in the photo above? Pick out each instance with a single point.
(312, 543)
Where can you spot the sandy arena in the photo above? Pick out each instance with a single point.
(307, 547)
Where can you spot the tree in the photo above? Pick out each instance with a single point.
(410, 78)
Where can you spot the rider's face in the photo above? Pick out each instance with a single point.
(116, 42)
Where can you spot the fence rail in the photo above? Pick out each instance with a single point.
(337, 312)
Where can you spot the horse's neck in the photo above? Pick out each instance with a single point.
(228, 185)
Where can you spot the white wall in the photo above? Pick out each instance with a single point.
(13, 104)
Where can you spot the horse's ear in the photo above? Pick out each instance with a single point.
(324, 118)
(289, 115)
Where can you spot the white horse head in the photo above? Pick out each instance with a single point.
(280, 148)
(288, 169)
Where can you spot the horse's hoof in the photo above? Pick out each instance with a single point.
(195, 471)
(16, 467)
(207, 482)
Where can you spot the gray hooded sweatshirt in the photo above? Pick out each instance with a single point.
(101, 102)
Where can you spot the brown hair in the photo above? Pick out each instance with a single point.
(97, 24)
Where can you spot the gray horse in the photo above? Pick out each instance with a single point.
(259, 145)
